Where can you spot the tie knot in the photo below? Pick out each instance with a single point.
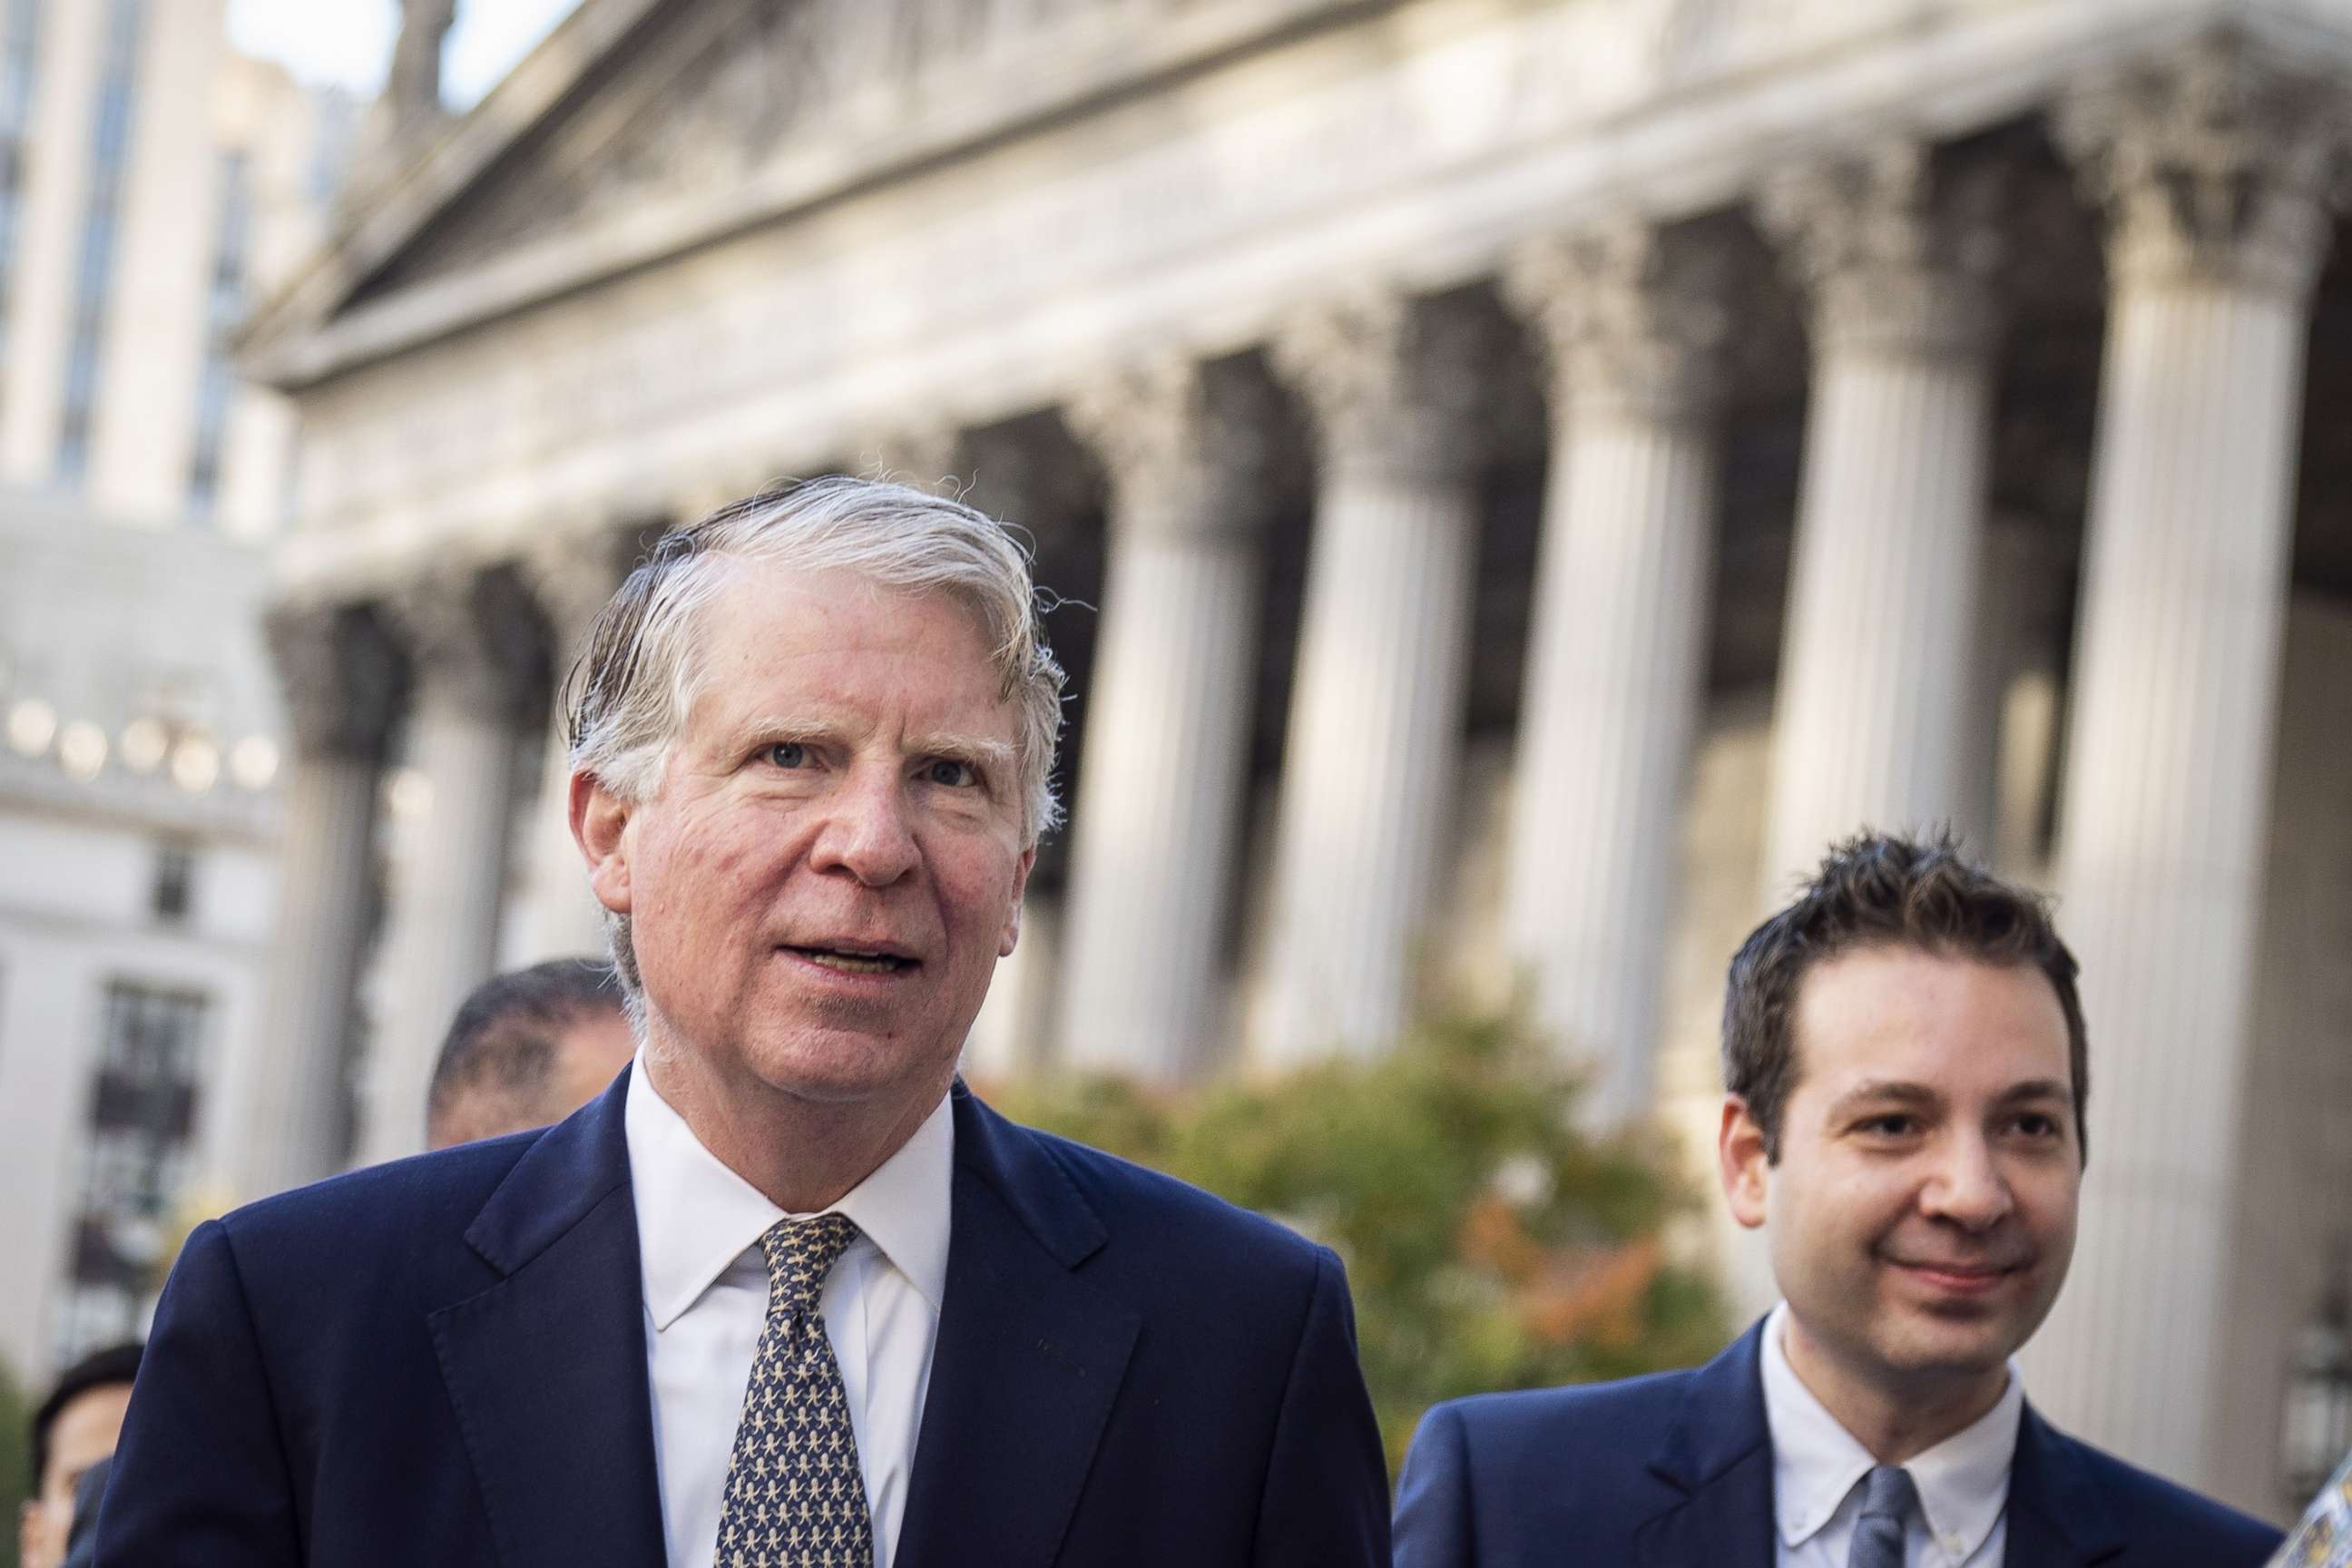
(1887, 1493)
(800, 1253)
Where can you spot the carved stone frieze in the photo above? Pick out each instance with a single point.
(1631, 319)
(341, 675)
(1393, 383)
(475, 639)
(1186, 446)
(2212, 162)
(1891, 249)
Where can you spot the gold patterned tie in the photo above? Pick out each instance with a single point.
(796, 1493)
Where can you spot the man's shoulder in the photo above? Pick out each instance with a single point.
(400, 1210)
(1626, 1416)
(2153, 1511)
(1175, 1214)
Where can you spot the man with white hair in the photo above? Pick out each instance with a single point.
(785, 1294)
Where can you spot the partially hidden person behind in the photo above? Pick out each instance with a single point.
(528, 1048)
(1906, 1067)
(74, 1431)
(787, 1293)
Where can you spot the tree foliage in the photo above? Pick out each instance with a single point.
(16, 1457)
(1489, 1243)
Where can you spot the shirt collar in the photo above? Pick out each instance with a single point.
(1963, 1481)
(696, 1217)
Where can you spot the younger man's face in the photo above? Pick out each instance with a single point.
(1921, 1214)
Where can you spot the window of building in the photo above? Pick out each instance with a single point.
(111, 132)
(216, 389)
(172, 894)
(20, 40)
(135, 1163)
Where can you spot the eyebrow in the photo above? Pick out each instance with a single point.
(1900, 1091)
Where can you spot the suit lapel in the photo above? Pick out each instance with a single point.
(1027, 1361)
(546, 1369)
(2058, 1515)
(1719, 1453)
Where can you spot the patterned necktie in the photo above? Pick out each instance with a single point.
(1887, 1496)
(796, 1493)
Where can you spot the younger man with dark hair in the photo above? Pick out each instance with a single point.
(75, 1428)
(1905, 1065)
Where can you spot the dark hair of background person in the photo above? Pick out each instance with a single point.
(99, 1369)
(1879, 891)
(504, 1041)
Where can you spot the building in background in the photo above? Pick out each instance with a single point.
(1545, 469)
(152, 184)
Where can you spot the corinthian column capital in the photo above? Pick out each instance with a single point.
(340, 677)
(1892, 252)
(473, 638)
(1186, 446)
(1629, 320)
(1394, 383)
(2212, 162)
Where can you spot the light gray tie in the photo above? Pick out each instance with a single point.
(1887, 1498)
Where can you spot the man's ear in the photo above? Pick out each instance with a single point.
(600, 822)
(1011, 938)
(1742, 1162)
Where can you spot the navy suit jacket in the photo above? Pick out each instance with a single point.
(1676, 1471)
(442, 1361)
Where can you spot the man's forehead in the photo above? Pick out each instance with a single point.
(88, 1424)
(1899, 1012)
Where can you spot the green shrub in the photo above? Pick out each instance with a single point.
(16, 1457)
(1489, 1245)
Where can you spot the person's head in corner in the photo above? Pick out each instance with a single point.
(75, 1428)
(528, 1048)
(1906, 1072)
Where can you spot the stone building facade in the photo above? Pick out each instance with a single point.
(1527, 475)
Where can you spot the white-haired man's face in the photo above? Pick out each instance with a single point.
(821, 881)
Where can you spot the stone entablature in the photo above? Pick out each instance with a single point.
(988, 280)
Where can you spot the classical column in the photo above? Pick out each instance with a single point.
(1877, 659)
(1376, 711)
(1616, 660)
(571, 577)
(1166, 743)
(477, 654)
(2218, 172)
(292, 1103)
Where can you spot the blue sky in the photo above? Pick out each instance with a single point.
(347, 42)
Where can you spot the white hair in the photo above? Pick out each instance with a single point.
(631, 693)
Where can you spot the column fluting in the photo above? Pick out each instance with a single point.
(478, 657)
(1159, 802)
(1617, 653)
(342, 680)
(1877, 659)
(2218, 172)
(1374, 736)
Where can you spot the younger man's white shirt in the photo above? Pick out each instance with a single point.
(706, 1300)
(1817, 1470)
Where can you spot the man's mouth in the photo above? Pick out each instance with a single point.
(1960, 1277)
(851, 958)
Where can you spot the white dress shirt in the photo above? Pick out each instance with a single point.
(1817, 1470)
(706, 1300)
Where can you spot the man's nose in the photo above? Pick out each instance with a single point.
(868, 833)
(1968, 1185)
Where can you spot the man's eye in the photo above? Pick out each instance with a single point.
(1892, 1125)
(788, 753)
(2035, 1124)
(950, 773)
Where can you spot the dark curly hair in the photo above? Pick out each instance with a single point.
(1878, 891)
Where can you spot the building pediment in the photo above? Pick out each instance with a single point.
(643, 128)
